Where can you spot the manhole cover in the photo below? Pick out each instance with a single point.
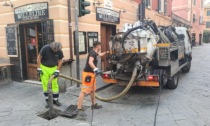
(71, 111)
(46, 115)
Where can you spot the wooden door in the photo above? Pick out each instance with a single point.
(106, 32)
(200, 39)
(31, 46)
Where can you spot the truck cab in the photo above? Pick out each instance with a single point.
(187, 39)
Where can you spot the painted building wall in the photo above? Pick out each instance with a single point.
(182, 8)
(206, 17)
(206, 29)
(186, 9)
(197, 27)
(57, 12)
(159, 18)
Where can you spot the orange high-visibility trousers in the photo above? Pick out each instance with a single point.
(88, 87)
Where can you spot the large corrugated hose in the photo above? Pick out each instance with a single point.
(97, 96)
(123, 92)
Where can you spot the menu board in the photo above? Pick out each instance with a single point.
(11, 37)
(92, 37)
(82, 42)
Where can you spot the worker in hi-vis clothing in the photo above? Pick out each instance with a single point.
(49, 62)
(88, 78)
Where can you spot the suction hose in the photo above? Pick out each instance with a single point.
(123, 92)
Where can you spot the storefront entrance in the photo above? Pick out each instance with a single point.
(106, 32)
(33, 36)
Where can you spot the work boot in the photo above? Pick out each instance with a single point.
(81, 113)
(56, 102)
(96, 106)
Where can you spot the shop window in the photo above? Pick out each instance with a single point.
(207, 24)
(208, 13)
(47, 32)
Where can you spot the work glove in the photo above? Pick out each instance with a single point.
(97, 71)
(39, 72)
(56, 73)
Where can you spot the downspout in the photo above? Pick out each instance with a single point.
(70, 37)
(70, 30)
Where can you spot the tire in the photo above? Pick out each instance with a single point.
(186, 69)
(173, 82)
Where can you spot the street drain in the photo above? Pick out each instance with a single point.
(46, 115)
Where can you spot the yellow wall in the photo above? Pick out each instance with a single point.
(58, 11)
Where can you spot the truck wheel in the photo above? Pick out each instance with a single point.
(186, 69)
(173, 82)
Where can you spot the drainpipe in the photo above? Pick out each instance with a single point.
(70, 36)
(70, 30)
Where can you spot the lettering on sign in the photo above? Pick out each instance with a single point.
(33, 11)
(107, 15)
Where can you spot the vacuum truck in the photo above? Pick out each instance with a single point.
(147, 55)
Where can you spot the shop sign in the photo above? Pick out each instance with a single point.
(108, 4)
(33, 11)
(107, 15)
(11, 37)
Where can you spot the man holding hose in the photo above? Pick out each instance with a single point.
(49, 62)
(88, 78)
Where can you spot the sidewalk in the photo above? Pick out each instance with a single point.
(21, 103)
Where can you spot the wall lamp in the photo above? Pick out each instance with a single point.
(97, 3)
(7, 4)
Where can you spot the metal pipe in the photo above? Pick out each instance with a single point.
(77, 40)
(70, 30)
(70, 35)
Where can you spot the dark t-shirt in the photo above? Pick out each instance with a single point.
(93, 54)
(50, 58)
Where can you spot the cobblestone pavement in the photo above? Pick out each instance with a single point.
(188, 105)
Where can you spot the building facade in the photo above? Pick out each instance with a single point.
(26, 26)
(158, 10)
(206, 30)
(190, 12)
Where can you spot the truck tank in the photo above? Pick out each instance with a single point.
(139, 44)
